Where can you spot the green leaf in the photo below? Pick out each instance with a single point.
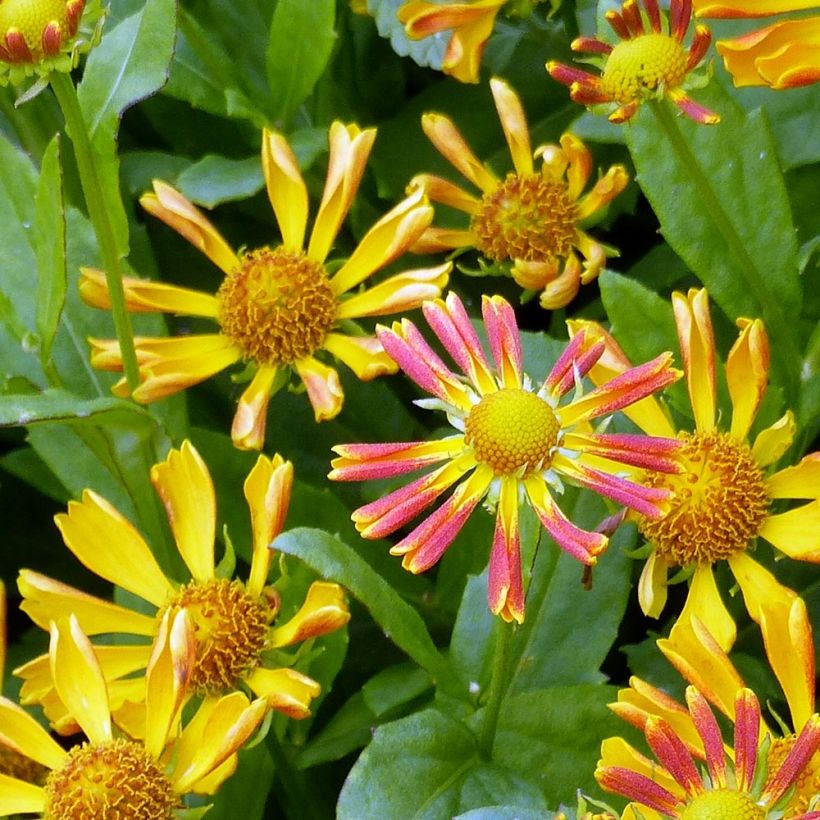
(50, 241)
(214, 179)
(429, 51)
(55, 405)
(336, 561)
(301, 41)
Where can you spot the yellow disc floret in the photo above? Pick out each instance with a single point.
(643, 64)
(116, 780)
(277, 306)
(529, 218)
(513, 431)
(807, 783)
(719, 503)
(32, 29)
(723, 804)
(230, 628)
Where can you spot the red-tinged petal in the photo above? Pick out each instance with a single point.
(286, 189)
(364, 355)
(251, 416)
(51, 39)
(673, 754)
(798, 758)
(747, 731)
(505, 590)
(632, 17)
(504, 338)
(567, 75)
(449, 142)
(700, 45)
(747, 374)
(709, 732)
(618, 24)
(18, 47)
(323, 387)
(695, 111)
(650, 452)
(445, 192)
(680, 15)
(637, 787)
(514, 123)
(360, 462)
(793, 66)
(800, 481)
(578, 359)
(590, 45)
(624, 113)
(654, 13)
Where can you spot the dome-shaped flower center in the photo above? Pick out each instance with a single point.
(526, 217)
(116, 780)
(723, 804)
(277, 306)
(807, 782)
(16, 765)
(230, 628)
(719, 505)
(512, 431)
(643, 64)
(31, 17)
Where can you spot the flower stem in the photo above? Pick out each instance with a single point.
(498, 686)
(66, 95)
(776, 323)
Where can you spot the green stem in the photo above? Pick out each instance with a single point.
(66, 95)
(785, 350)
(498, 686)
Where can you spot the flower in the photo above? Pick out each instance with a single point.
(749, 786)
(471, 25)
(231, 619)
(650, 62)
(785, 54)
(695, 653)
(722, 499)
(110, 775)
(531, 218)
(277, 307)
(512, 442)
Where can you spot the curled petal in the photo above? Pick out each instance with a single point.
(514, 123)
(324, 610)
(505, 589)
(284, 690)
(323, 387)
(747, 372)
(286, 189)
(251, 416)
(364, 355)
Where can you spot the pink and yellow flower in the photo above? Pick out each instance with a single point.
(785, 54)
(532, 217)
(111, 775)
(649, 62)
(277, 307)
(233, 621)
(722, 499)
(513, 442)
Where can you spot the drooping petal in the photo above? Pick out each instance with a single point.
(796, 532)
(323, 387)
(286, 189)
(184, 485)
(505, 589)
(800, 481)
(364, 355)
(20, 731)
(19, 797)
(359, 462)
(251, 417)
(603, 192)
(285, 690)
(704, 603)
(462, 59)
(652, 586)
(445, 192)
(324, 610)
(747, 373)
(514, 123)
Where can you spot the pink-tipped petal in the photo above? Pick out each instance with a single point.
(505, 591)
(747, 729)
(505, 341)
(709, 732)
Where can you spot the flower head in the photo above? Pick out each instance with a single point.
(113, 775)
(722, 497)
(513, 441)
(749, 786)
(650, 62)
(531, 219)
(277, 307)
(785, 54)
(233, 621)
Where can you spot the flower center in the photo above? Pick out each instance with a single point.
(277, 306)
(230, 628)
(116, 780)
(30, 17)
(526, 217)
(807, 782)
(513, 431)
(722, 804)
(642, 65)
(719, 505)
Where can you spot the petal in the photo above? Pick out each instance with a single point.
(504, 338)
(177, 212)
(109, 545)
(800, 481)
(359, 462)
(3, 636)
(462, 59)
(795, 767)
(251, 416)
(323, 387)
(184, 485)
(349, 149)
(603, 192)
(442, 240)
(709, 732)
(20, 731)
(652, 586)
(364, 355)
(514, 123)
(796, 532)
(747, 732)
(19, 797)
(748, 8)
(267, 490)
(285, 690)
(324, 610)
(505, 590)
(772, 442)
(286, 189)
(445, 192)
(637, 787)
(747, 373)
(704, 603)
(390, 237)
(673, 754)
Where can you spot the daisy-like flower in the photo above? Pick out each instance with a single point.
(115, 776)
(649, 62)
(277, 307)
(232, 620)
(785, 54)
(531, 218)
(698, 657)
(470, 25)
(513, 442)
(748, 787)
(722, 499)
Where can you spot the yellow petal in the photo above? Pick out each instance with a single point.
(705, 604)
(211, 783)
(323, 387)
(748, 8)
(796, 532)
(78, 679)
(324, 610)
(286, 189)
(652, 591)
(284, 690)
(579, 164)
(20, 731)
(2, 631)
(747, 373)
(615, 751)
(514, 123)
(251, 417)
(603, 192)
(267, 490)
(184, 484)
(772, 442)
(19, 797)
(800, 481)
(450, 144)
(111, 547)
(445, 192)
(364, 355)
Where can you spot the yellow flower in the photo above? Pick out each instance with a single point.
(530, 218)
(471, 25)
(277, 307)
(111, 775)
(231, 619)
(650, 62)
(722, 497)
(785, 54)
